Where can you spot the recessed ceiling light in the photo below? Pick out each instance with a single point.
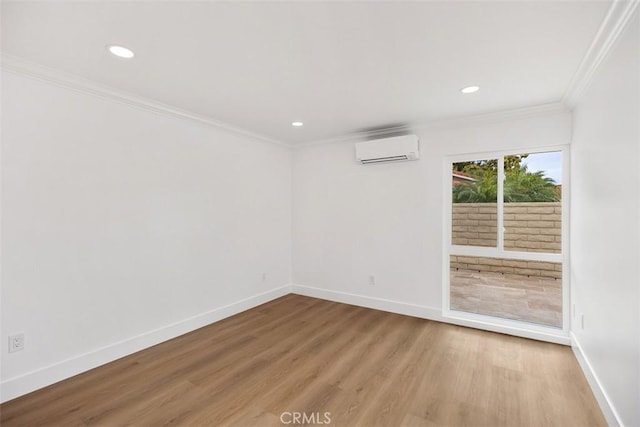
(297, 124)
(470, 89)
(121, 51)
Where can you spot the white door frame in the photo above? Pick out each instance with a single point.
(513, 327)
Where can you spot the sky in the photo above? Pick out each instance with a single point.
(549, 163)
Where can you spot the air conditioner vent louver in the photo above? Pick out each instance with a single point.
(385, 159)
(396, 149)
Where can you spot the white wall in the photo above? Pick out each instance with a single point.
(351, 221)
(605, 226)
(121, 226)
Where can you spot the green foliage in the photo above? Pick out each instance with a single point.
(484, 190)
(523, 186)
(477, 168)
(520, 185)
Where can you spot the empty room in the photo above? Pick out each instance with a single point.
(280, 213)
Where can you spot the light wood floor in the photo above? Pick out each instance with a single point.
(299, 354)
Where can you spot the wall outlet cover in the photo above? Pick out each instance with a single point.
(16, 342)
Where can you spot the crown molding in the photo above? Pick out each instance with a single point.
(618, 15)
(615, 21)
(70, 81)
(450, 123)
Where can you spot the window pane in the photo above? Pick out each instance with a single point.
(532, 208)
(529, 291)
(474, 211)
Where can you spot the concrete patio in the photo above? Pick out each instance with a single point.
(530, 299)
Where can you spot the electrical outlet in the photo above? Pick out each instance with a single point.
(264, 277)
(372, 280)
(16, 343)
(582, 321)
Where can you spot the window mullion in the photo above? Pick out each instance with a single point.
(500, 204)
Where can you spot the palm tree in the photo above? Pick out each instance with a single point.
(483, 190)
(520, 185)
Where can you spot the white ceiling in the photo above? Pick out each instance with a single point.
(338, 67)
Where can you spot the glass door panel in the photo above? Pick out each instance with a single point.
(505, 257)
(516, 289)
(474, 213)
(532, 202)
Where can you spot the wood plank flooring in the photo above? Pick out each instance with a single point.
(298, 354)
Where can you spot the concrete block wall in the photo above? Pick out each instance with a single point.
(533, 227)
(530, 227)
(507, 266)
(474, 224)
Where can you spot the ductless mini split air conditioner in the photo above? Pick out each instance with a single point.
(396, 149)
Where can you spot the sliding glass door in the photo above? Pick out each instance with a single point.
(505, 238)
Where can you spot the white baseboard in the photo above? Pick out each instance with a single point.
(608, 410)
(34, 380)
(391, 306)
